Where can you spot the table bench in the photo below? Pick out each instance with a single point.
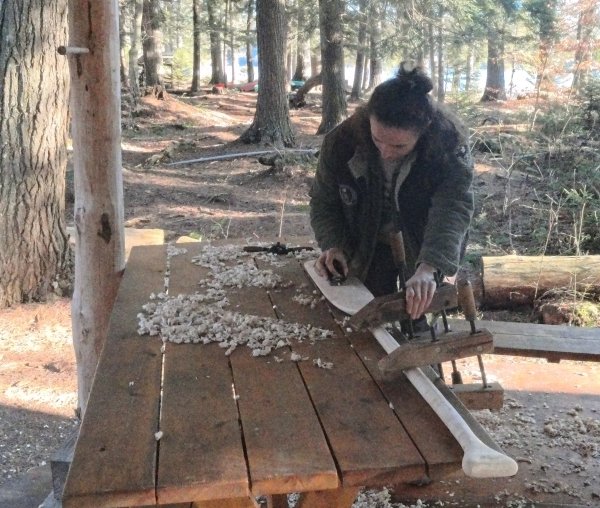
(232, 428)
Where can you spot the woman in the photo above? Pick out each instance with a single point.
(401, 163)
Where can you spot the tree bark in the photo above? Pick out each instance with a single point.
(511, 281)
(196, 44)
(360, 51)
(332, 59)
(494, 83)
(35, 258)
(216, 54)
(134, 50)
(152, 42)
(96, 132)
(272, 119)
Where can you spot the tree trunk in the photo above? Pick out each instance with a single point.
(134, 50)
(332, 57)
(216, 57)
(35, 258)
(122, 39)
(360, 51)
(302, 47)
(431, 45)
(366, 73)
(98, 213)
(315, 59)
(272, 119)
(249, 63)
(229, 31)
(151, 21)
(441, 88)
(469, 69)
(511, 281)
(586, 23)
(196, 45)
(494, 83)
(376, 70)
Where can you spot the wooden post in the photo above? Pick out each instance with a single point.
(96, 133)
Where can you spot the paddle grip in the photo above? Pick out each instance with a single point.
(398, 251)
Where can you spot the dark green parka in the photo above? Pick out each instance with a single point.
(435, 201)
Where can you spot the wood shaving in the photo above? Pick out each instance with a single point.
(322, 364)
(308, 300)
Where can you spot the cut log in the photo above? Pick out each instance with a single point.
(512, 281)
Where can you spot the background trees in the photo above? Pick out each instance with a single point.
(482, 47)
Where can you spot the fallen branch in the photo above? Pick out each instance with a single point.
(244, 154)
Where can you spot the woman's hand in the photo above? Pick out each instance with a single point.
(325, 264)
(419, 290)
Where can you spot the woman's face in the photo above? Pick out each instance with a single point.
(393, 143)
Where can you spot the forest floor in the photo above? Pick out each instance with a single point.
(550, 421)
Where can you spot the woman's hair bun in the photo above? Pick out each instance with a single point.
(413, 79)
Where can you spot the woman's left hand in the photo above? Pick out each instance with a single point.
(420, 289)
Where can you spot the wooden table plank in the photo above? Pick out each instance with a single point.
(287, 450)
(201, 456)
(115, 457)
(285, 446)
(554, 342)
(433, 439)
(370, 445)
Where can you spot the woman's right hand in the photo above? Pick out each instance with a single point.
(325, 264)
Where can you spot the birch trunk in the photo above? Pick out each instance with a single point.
(96, 131)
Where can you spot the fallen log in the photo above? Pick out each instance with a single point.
(513, 281)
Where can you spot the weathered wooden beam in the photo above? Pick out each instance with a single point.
(475, 397)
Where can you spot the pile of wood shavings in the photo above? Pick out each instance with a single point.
(577, 436)
(203, 317)
(198, 318)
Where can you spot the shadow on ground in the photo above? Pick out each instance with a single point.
(29, 483)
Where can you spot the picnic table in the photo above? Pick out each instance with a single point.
(186, 425)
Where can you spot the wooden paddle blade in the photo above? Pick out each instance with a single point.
(450, 346)
(388, 308)
(349, 297)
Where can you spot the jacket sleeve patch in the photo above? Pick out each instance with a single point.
(348, 195)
